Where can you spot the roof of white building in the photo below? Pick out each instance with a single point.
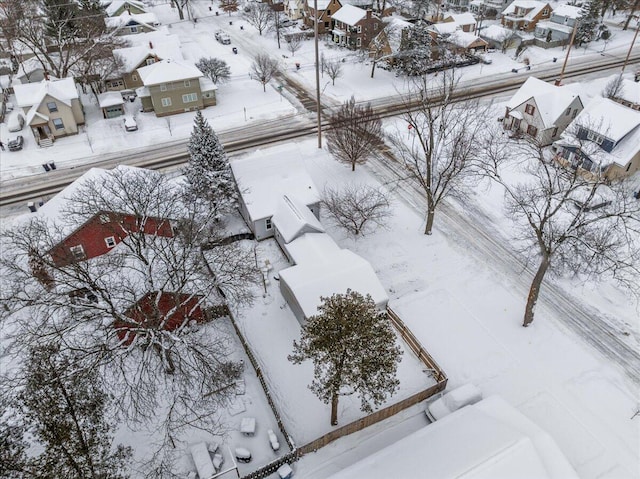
(490, 439)
(117, 4)
(31, 94)
(110, 98)
(161, 45)
(461, 18)
(149, 20)
(551, 100)
(630, 91)
(167, 71)
(264, 177)
(349, 14)
(569, 11)
(534, 6)
(292, 218)
(496, 32)
(339, 271)
(464, 39)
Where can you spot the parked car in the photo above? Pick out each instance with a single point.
(452, 401)
(130, 123)
(223, 37)
(16, 144)
(15, 122)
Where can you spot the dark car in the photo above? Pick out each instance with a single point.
(16, 143)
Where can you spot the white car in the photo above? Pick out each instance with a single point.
(452, 401)
(130, 123)
(15, 122)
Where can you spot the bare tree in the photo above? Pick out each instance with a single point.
(260, 16)
(294, 42)
(263, 69)
(215, 69)
(164, 365)
(567, 219)
(440, 146)
(354, 133)
(333, 69)
(229, 6)
(355, 207)
(613, 88)
(181, 6)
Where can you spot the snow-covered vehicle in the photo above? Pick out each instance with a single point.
(452, 401)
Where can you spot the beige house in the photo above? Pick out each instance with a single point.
(525, 14)
(326, 8)
(541, 110)
(52, 108)
(173, 86)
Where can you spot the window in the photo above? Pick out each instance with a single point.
(545, 11)
(358, 42)
(555, 131)
(568, 111)
(134, 29)
(57, 122)
(529, 109)
(187, 83)
(359, 28)
(166, 102)
(77, 252)
(110, 241)
(268, 224)
(375, 26)
(329, 12)
(595, 137)
(575, 113)
(189, 97)
(105, 218)
(516, 124)
(532, 130)
(134, 77)
(52, 106)
(163, 87)
(150, 61)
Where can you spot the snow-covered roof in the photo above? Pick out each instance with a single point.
(292, 218)
(461, 18)
(568, 11)
(549, 25)
(394, 29)
(342, 270)
(206, 84)
(464, 39)
(31, 94)
(490, 439)
(444, 28)
(263, 179)
(322, 4)
(630, 91)
(163, 46)
(167, 71)
(533, 6)
(115, 5)
(149, 20)
(349, 14)
(312, 248)
(496, 32)
(608, 118)
(551, 100)
(110, 98)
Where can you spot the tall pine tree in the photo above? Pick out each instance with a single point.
(208, 171)
(587, 23)
(415, 53)
(66, 413)
(353, 349)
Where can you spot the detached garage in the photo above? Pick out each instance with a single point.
(111, 104)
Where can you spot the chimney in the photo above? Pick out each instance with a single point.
(151, 45)
(368, 14)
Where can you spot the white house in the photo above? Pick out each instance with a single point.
(542, 110)
(262, 180)
(291, 220)
(490, 440)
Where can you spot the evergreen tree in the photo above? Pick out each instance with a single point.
(12, 444)
(353, 349)
(414, 54)
(587, 23)
(209, 172)
(66, 413)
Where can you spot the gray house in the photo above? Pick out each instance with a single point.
(262, 179)
(291, 220)
(560, 26)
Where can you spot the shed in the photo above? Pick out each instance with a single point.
(293, 219)
(304, 284)
(111, 104)
(263, 178)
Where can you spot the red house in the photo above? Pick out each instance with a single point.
(161, 310)
(102, 232)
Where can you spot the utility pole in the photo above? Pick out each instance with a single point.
(566, 58)
(626, 60)
(315, 39)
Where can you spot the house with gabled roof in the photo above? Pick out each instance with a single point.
(629, 94)
(464, 42)
(171, 87)
(541, 110)
(262, 179)
(291, 220)
(52, 108)
(387, 43)
(294, 9)
(127, 24)
(604, 141)
(354, 27)
(326, 8)
(465, 21)
(152, 47)
(560, 26)
(524, 15)
(118, 7)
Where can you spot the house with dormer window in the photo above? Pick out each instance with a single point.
(524, 15)
(604, 141)
(541, 110)
(354, 27)
(560, 26)
(171, 87)
(326, 9)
